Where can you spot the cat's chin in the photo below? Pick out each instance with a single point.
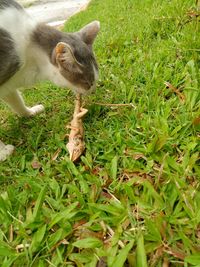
(78, 90)
(83, 91)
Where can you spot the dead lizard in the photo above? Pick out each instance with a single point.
(76, 144)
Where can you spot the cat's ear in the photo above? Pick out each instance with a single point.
(65, 57)
(89, 32)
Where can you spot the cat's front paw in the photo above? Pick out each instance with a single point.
(5, 151)
(35, 110)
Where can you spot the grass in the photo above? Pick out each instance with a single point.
(134, 198)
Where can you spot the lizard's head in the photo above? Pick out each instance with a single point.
(76, 148)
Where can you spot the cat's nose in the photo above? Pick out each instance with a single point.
(93, 87)
(90, 90)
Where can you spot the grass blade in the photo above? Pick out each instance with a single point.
(141, 259)
(122, 256)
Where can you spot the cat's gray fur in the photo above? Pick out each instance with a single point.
(82, 53)
(10, 61)
(9, 3)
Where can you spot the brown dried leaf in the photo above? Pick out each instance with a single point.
(193, 13)
(157, 255)
(79, 223)
(11, 233)
(196, 121)
(101, 262)
(144, 176)
(126, 224)
(96, 170)
(56, 154)
(175, 253)
(106, 195)
(175, 90)
(138, 156)
(36, 164)
(83, 232)
(63, 242)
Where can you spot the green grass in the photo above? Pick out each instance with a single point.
(134, 198)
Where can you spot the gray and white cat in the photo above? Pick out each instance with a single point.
(32, 52)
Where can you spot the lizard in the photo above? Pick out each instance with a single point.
(76, 144)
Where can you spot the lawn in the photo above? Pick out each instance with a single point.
(134, 197)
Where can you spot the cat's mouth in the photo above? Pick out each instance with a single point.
(85, 92)
(78, 89)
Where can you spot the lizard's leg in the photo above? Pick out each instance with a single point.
(72, 128)
(82, 113)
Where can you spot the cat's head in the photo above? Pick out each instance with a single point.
(75, 59)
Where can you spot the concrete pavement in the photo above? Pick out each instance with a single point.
(54, 12)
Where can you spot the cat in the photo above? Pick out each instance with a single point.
(31, 52)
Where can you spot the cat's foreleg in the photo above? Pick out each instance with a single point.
(16, 102)
(5, 151)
